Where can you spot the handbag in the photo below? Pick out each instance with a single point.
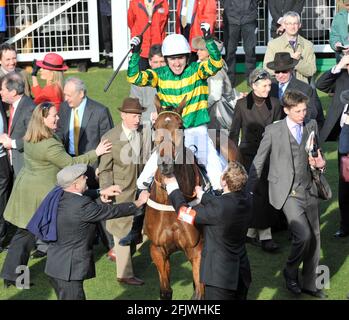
(323, 188)
(344, 168)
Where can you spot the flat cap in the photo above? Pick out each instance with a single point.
(69, 174)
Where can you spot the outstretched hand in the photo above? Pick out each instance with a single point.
(103, 147)
(109, 192)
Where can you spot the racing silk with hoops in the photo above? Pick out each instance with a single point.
(172, 89)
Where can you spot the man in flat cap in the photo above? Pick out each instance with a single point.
(69, 225)
(131, 144)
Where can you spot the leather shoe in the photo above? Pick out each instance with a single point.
(317, 293)
(37, 254)
(134, 281)
(341, 234)
(111, 255)
(9, 283)
(291, 284)
(269, 245)
(253, 241)
(131, 238)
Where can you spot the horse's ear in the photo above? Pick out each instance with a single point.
(157, 103)
(181, 106)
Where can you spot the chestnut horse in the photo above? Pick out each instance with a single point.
(166, 233)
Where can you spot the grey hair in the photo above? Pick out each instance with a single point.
(79, 84)
(292, 14)
(256, 73)
(14, 81)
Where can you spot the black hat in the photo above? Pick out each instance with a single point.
(282, 61)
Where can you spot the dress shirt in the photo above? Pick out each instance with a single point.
(81, 109)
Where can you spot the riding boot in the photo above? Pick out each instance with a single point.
(135, 235)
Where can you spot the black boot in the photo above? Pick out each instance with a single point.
(135, 235)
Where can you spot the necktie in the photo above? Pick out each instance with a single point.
(298, 133)
(292, 43)
(281, 90)
(184, 13)
(12, 111)
(76, 131)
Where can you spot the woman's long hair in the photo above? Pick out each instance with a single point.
(58, 81)
(37, 130)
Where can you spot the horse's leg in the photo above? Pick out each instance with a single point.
(194, 256)
(162, 262)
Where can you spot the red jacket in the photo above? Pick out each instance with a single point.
(204, 11)
(137, 18)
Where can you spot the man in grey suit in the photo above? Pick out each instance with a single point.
(291, 188)
(20, 111)
(70, 257)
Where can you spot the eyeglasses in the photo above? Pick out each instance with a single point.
(262, 76)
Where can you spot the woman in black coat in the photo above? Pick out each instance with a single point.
(252, 114)
(224, 268)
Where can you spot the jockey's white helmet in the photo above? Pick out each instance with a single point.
(175, 44)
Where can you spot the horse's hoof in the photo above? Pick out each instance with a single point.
(166, 295)
(196, 297)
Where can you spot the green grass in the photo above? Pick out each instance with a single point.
(267, 280)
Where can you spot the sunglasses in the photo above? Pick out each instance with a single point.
(283, 71)
(262, 76)
(45, 106)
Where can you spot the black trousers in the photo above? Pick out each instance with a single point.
(249, 39)
(18, 253)
(68, 290)
(343, 200)
(215, 293)
(5, 190)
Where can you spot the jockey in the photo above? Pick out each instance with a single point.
(177, 80)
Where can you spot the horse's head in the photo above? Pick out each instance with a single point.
(168, 136)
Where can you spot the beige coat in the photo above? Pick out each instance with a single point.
(122, 167)
(306, 66)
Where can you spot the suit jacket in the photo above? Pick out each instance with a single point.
(71, 256)
(252, 120)
(122, 166)
(19, 127)
(276, 144)
(315, 108)
(96, 121)
(225, 221)
(327, 83)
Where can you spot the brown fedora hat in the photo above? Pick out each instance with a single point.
(132, 105)
(282, 61)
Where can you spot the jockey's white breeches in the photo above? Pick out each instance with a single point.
(198, 141)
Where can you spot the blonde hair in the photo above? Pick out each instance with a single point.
(58, 79)
(37, 130)
(235, 176)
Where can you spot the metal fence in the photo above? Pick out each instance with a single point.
(68, 31)
(316, 23)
